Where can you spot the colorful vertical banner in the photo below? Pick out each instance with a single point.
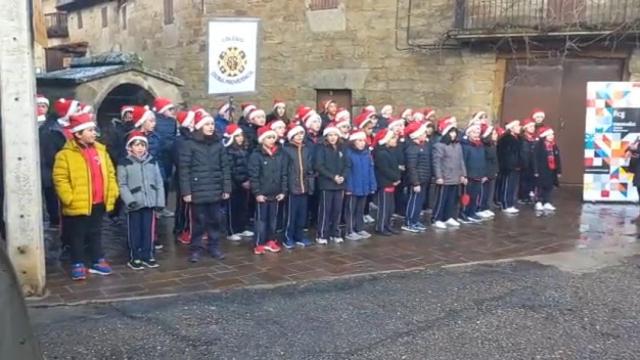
(612, 124)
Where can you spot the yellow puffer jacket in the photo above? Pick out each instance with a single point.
(71, 179)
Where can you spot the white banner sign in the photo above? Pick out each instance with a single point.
(233, 56)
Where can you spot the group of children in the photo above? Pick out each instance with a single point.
(325, 170)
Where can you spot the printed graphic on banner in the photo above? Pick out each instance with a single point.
(612, 125)
(232, 56)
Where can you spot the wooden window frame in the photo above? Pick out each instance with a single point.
(168, 12)
(323, 4)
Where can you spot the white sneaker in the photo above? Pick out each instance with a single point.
(453, 222)
(337, 240)
(549, 207)
(234, 237)
(511, 211)
(353, 236)
(490, 213)
(247, 233)
(368, 219)
(483, 215)
(440, 225)
(364, 234)
(321, 241)
(539, 206)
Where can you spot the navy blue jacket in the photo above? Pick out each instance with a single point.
(52, 140)
(475, 159)
(509, 153)
(239, 160)
(361, 179)
(167, 132)
(330, 162)
(419, 163)
(221, 124)
(387, 166)
(268, 173)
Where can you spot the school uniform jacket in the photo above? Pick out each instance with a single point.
(448, 162)
(268, 172)
(418, 163)
(387, 166)
(330, 162)
(300, 172)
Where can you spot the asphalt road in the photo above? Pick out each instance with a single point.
(518, 311)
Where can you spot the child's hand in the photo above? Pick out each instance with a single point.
(464, 180)
(225, 196)
(401, 167)
(416, 188)
(396, 183)
(280, 197)
(261, 198)
(246, 185)
(485, 179)
(439, 181)
(536, 175)
(186, 198)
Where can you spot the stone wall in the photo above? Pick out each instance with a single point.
(353, 47)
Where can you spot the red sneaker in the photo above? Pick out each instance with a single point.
(184, 238)
(259, 250)
(272, 246)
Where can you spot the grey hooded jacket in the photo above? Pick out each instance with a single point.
(140, 183)
(448, 163)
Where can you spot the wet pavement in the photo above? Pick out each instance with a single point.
(575, 226)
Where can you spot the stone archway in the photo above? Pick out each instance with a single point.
(123, 94)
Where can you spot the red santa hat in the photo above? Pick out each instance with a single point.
(276, 123)
(79, 122)
(545, 131)
(386, 108)
(446, 124)
(161, 105)
(247, 108)
(477, 117)
(364, 118)
(509, 126)
(42, 100)
(394, 121)
(342, 116)
(65, 108)
(406, 113)
(255, 113)
(486, 130)
(370, 108)
(264, 132)
(538, 112)
(428, 112)
(84, 108)
(414, 130)
(312, 117)
(185, 118)
(331, 129)
(357, 135)
(136, 136)
(382, 137)
(140, 115)
(125, 109)
(472, 127)
(528, 122)
(224, 108)
(230, 133)
(500, 131)
(417, 116)
(278, 102)
(201, 119)
(293, 130)
(326, 104)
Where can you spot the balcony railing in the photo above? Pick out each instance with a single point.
(57, 26)
(498, 16)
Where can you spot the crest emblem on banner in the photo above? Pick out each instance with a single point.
(232, 62)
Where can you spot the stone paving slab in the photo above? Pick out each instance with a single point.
(573, 226)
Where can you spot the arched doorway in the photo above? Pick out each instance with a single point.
(125, 94)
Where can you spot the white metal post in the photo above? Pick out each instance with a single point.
(22, 182)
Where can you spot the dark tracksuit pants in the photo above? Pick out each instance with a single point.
(182, 221)
(527, 185)
(265, 221)
(414, 204)
(84, 231)
(283, 209)
(509, 189)
(474, 190)
(52, 204)
(354, 206)
(386, 205)
(367, 210)
(446, 202)
(427, 197)
(297, 206)
(486, 195)
(329, 213)
(208, 218)
(238, 209)
(400, 198)
(314, 203)
(141, 228)
(544, 193)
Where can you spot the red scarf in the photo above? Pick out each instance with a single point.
(551, 158)
(530, 137)
(272, 150)
(477, 142)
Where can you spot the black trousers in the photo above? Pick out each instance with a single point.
(414, 204)
(141, 226)
(509, 189)
(208, 218)
(297, 206)
(238, 210)
(527, 185)
(52, 204)
(486, 195)
(355, 212)
(314, 203)
(446, 204)
(329, 213)
(400, 198)
(265, 221)
(474, 190)
(386, 207)
(544, 193)
(84, 231)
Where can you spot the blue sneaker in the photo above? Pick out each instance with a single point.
(289, 244)
(102, 267)
(78, 272)
(304, 243)
(420, 226)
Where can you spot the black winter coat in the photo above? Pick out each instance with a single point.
(509, 154)
(239, 161)
(418, 163)
(268, 173)
(491, 157)
(387, 166)
(250, 134)
(52, 140)
(527, 153)
(300, 171)
(546, 176)
(204, 170)
(330, 162)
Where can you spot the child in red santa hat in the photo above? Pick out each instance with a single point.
(360, 185)
(278, 112)
(238, 204)
(388, 176)
(528, 140)
(547, 167)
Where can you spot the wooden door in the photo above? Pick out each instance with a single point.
(341, 97)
